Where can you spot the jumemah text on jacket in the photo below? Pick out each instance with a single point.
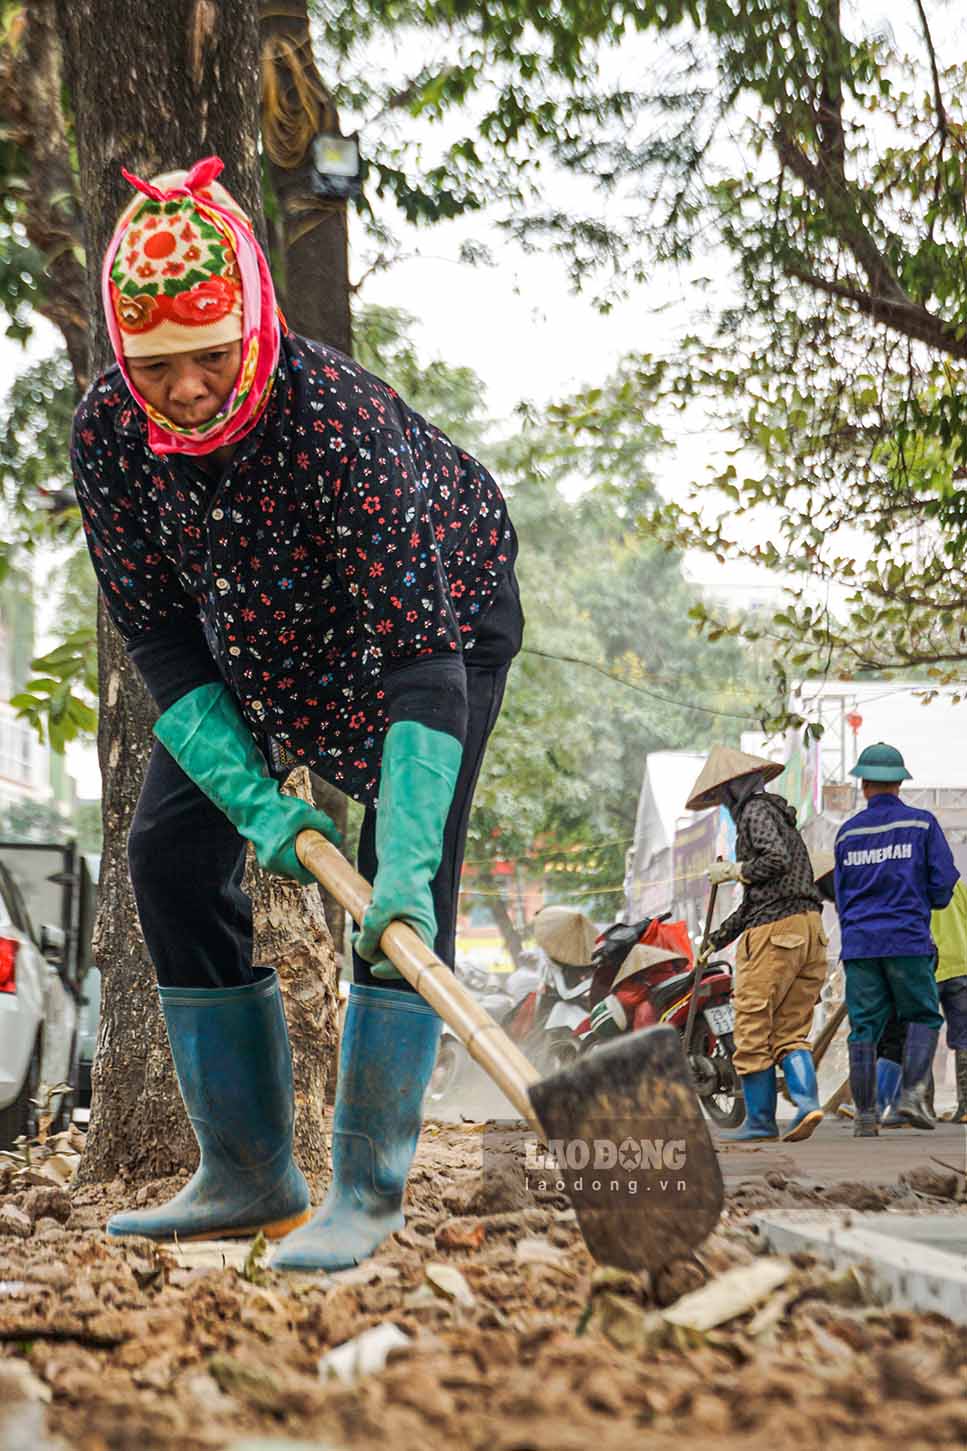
(893, 867)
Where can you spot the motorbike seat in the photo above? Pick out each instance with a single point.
(669, 991)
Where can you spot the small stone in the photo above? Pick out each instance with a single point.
(14, 1222)
(936, 1183)
(680, 1277)
(47, 1203)
(48, 1231)
(18, 1383)
(466, 1233)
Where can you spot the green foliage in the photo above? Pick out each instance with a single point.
(43, 526)
(36, 497)
(610, 669)
(88, 826)
(49, 702)
(451, 397)
(32, 821)
(819, 165)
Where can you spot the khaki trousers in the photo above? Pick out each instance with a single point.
(779, 972)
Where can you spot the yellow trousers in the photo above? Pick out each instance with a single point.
(779, 972)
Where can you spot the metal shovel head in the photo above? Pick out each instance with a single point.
(627, 1140)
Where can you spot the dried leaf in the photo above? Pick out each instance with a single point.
(730, 1295)
(365, 1354)
(540, 1252)
(449, 1282)
(253, 1270)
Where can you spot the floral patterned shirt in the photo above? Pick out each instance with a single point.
(347, 539)
(776, 867)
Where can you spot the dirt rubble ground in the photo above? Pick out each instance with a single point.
(111, 1345)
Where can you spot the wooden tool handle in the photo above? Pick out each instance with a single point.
(826, 1034)
(699, 972)
(484, 1040)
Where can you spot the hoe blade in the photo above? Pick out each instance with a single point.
(627, 1136)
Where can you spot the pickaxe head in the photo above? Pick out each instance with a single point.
(626, 1135)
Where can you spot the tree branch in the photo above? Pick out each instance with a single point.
(31, 84)
(898, 312)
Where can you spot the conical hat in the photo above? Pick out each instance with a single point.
(644, 956)
(566, 935)
(725, 764)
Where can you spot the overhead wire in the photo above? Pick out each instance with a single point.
(641, 689)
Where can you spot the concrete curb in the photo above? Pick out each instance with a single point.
(897, 1251)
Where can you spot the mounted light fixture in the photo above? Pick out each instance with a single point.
(336, 168)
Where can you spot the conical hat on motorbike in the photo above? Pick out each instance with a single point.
(566, 935)
(725, 764)
(642, 957)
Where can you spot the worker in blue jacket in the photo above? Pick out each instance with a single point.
(893, 868)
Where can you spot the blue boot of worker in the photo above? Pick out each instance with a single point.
(761, 1095)
(800, 1074)
(389, 1047)
(862, 1082)
(910, 1109)
(888, 1076)
(231, 1052)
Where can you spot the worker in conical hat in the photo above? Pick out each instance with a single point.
(781, 956)
(566, 935)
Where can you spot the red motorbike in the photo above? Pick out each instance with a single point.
(643, 975)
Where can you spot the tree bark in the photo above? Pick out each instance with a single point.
(296, 107)
(179, 81)
(291, 935)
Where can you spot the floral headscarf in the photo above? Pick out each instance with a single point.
(183, 271)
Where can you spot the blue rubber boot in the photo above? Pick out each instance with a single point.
(761, 1095)
(231, 1052)
(888, 1076)
(862, 1083)
(910, 1109)
(389, 1047)
(800, 1074)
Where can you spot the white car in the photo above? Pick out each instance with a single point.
(38, 1016)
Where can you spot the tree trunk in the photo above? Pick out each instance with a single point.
(505, 924)
(291, 935)
(179, 81)
(296, 107)
(138, 1124)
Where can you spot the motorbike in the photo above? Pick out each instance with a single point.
(643, 974)
(503, 995)
(547, 1025)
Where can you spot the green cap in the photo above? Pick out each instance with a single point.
(881, 763)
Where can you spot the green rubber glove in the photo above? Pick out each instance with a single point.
(205, 733)
(416, 784)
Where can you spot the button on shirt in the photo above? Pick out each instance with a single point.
(893, 867)
(347, 540)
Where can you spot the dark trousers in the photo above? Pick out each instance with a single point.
(187, 861)
(877, 988)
